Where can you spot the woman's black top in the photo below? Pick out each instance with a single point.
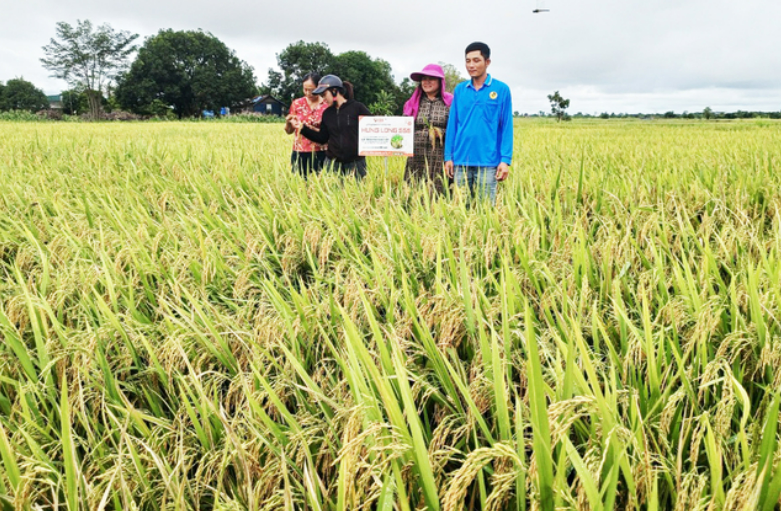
(339, 129)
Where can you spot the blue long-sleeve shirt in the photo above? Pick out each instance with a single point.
(480, 127)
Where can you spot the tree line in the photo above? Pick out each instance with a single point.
(372, 77)
(706, 114)
(19, 94)
(181, 73)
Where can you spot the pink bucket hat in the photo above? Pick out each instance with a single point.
(434, 70)
(413, 104)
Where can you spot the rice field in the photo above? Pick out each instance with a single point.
(187, 326)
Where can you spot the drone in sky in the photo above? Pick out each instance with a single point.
(542, 6)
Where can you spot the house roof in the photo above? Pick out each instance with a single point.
(268, 98)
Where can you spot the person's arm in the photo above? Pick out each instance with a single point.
(450, 135)
(505, 137)
(506, 129)
(289, 129)
(320, 136)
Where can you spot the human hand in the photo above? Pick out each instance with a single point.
(288, 124)
(449, 169)
(295, 122)
(502, 171)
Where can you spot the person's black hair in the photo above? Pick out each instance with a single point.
(483, 48)
(312, 77)
(347, 90)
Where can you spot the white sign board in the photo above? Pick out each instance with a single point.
(386, 136)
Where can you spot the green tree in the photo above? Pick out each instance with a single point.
(369, 76)
(452, 76)
(385, 104)
(707, 114)
(296, 61)
(402, 93)
(559, 106)
(89, 58)
(74, 102)
(189, 71)
(19, 94)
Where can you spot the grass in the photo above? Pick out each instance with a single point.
(186, 325)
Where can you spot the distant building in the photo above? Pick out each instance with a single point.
(55, 102)
(268, 105)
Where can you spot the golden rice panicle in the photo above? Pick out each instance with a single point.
(195, 296)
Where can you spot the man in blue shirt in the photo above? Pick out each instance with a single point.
(479, 136)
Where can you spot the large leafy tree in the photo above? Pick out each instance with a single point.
(19, 94)
(295, 62)
(89, 58)
(74, 102)
(369, 76)
(187, 70)
(372, 78)
(452, 76)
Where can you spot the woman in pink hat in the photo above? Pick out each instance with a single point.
(430, 106)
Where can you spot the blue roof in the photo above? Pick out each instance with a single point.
(258, 99)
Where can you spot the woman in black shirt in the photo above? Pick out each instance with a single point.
(339, 127)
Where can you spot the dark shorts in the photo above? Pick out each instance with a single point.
(306, 163)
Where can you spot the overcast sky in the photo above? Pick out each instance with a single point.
(605, 55)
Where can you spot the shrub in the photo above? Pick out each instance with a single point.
(18, 115)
